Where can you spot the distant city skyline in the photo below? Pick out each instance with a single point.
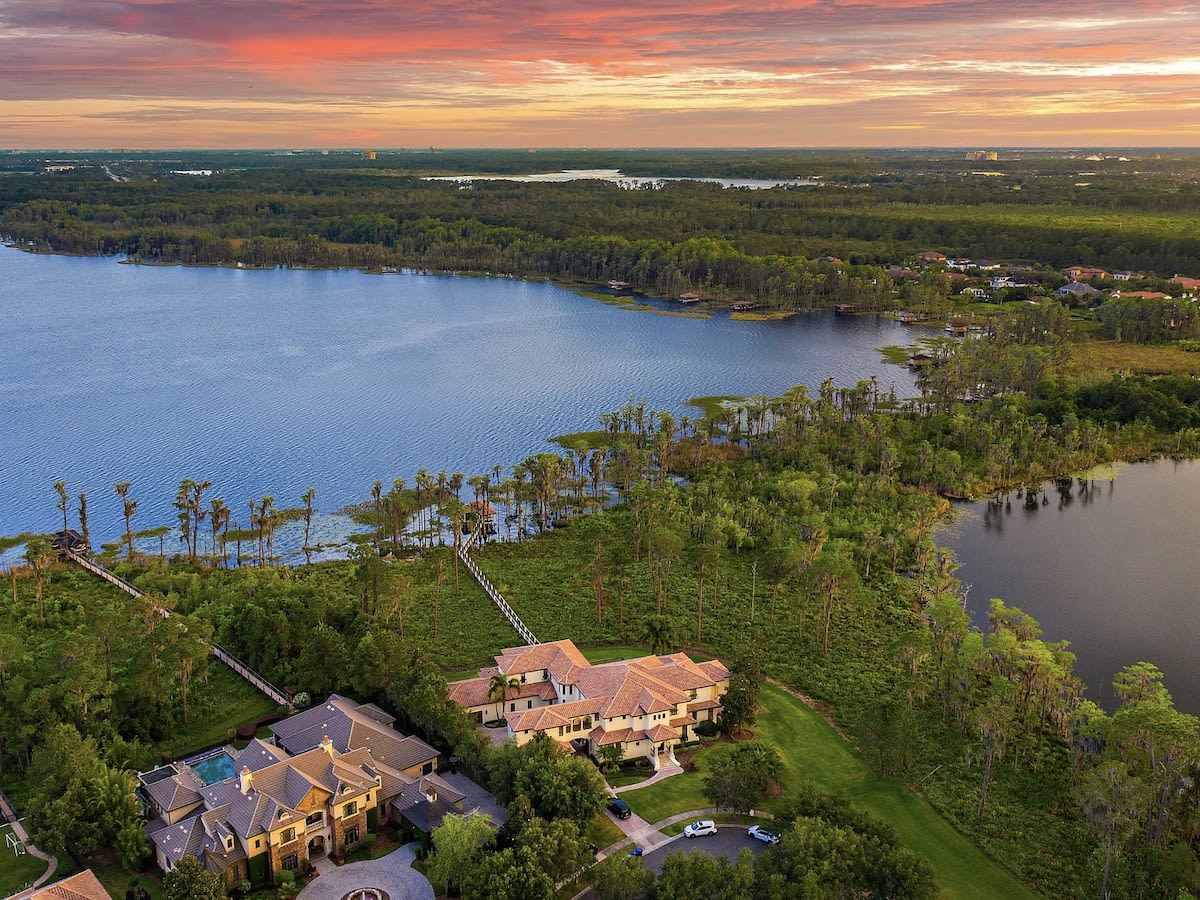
(146, 74)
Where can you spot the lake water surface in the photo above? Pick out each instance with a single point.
(1115, 569)
(265, 382)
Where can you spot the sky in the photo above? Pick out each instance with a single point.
(598, 73)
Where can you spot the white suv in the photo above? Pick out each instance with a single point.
(696, 829)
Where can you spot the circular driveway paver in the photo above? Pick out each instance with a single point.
(392, 873)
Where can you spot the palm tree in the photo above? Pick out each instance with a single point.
(308, 496)
(83, 524)
(198, 514)
(129, 507)
(498, 691)
(219, 517)
(39, 554)
(659, 633)
(183, 503)
(63, 504)
(377, 497)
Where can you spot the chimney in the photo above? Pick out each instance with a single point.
(327, 745)
(247, 780)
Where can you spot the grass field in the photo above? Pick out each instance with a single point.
(812, 750)
(117, 880)
(601, 831)
(222, 702)
(1094, 360)
(596, 655)
(16, 872)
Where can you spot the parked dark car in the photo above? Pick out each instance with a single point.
(619, 808)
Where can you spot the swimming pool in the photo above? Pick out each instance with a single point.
(214, 767)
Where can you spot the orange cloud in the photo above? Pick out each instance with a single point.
(860, 72)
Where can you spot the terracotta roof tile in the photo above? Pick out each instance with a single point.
(84, 886)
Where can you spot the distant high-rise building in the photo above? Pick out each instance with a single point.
(368, 154)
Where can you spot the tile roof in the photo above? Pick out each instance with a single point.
(636, 687)
(560, 658)
(258, 754)
(176, 791)
(181, 839)
(542, 717)
(84, 886)
(662, 733)
(474, 691)
(392, 748)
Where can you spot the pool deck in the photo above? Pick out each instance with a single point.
(392, 873)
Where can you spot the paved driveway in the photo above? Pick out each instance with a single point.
(728, 842)
(392, 873)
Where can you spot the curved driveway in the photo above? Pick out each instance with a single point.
(729, 841)
(392, 873)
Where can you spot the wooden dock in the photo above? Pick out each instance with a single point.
(509, 613)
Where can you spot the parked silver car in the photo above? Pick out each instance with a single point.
(760, 833)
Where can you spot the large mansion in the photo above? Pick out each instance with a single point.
(645, 705)
(327, 776)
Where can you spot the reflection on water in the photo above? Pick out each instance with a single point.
(1109, 564)
(630, 182)
(1060, 493)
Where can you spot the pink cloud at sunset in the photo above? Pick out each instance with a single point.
(160, 73)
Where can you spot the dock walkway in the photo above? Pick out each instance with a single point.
(256, 680)
(509, 613)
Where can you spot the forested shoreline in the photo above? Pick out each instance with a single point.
(794, 247)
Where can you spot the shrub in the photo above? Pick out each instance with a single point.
(707, 729)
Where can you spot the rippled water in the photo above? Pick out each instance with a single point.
(267, 381)
(1113, 569)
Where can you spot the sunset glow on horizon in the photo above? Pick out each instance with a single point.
(348, 73)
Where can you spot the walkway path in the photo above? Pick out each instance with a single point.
(664, 772)
(256, 680)
(509, 613)
(6, 812)
(392, 873)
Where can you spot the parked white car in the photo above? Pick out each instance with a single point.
(760, 833)
(696, 829)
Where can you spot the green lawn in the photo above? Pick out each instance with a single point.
(812, 749)
(596, 655)
(601, 831)
(117, 880)
(628, 775)
(220, 703)
(16, 872)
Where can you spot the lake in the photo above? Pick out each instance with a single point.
(630, 182)
(1113, 568)
(265, 382)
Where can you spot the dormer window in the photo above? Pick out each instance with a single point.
(229, 842)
